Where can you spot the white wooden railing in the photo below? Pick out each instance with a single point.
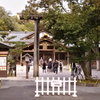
(55, 83)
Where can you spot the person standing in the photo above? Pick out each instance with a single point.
(28, 66)
(50, 59)
(49, 66)
(41, 61)
(60, 66)
(55, 65)
(73, 67)
(44, 67)
(22, 64)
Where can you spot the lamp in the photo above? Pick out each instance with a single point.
(27, 58)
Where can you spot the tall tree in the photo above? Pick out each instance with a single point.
(77, 28)
(16, 51)
(6, 21)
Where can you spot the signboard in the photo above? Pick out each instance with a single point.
(3, 64)
(2, 61)
(56, 83)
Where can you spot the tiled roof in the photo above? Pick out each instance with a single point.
(22, 35)
(18, 37)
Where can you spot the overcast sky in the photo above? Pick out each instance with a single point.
(14, 6)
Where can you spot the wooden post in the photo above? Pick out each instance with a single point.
(20, 58)
(36, 47)
(67, 57)
(26, 70)
(36, 43)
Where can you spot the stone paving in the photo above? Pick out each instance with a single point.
(20, 88)
(21, 74)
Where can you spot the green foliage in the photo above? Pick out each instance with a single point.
(90, 82)
(17, 50)
(11, 61)
(79, 28)
(4, 35)
(27, 26)
(3, 26)
(6, 21)
(9, 38)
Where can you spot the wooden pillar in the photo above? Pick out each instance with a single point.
(67, 57)
(26, 70)
(43, 56)
(36, 49)
(20, 58)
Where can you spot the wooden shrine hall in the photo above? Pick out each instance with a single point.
(46, 50)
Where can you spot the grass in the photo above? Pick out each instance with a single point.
(92, 82)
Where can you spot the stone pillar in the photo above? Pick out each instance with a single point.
(36, 49)
(97, 65)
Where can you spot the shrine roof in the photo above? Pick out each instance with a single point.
(5, 45)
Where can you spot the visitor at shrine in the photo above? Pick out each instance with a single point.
(60, 66)
(28, 66)
(41, 61)
(55, 66)
(44, 66)
(49, 66)
(50, 59)
(21, 63)
(73, 68)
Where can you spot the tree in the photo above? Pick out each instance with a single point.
(6, 21)
(3, 27)
(16, 51)
(77, 28)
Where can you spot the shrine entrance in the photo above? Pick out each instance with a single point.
(46, 55)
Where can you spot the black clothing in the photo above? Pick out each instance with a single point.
(55, 66)
(44, 66)
(50, 65)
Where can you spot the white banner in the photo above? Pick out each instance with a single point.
(2, 61)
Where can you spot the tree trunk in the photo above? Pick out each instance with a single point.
(85, 71)
(88, 66)
(15, 66)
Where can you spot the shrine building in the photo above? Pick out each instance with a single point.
(47, 49)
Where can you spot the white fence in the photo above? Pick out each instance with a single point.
(55, 83)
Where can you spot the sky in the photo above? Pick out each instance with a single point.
(14, 6)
